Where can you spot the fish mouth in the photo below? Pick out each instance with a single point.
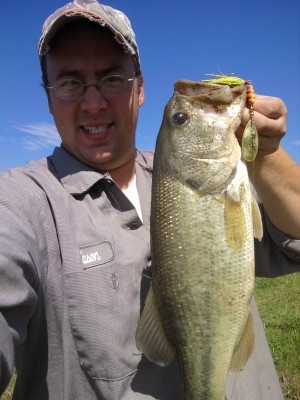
(208, 93)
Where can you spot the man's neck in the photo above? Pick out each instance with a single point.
(124, 174)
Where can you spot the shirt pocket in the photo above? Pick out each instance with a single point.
(104, 308)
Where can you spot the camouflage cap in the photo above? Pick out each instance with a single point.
(103, 15)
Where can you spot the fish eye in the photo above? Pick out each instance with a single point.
(179, 118)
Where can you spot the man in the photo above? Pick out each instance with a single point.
(74, 240)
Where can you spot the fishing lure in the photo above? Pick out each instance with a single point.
(250, 135)
(229, 80)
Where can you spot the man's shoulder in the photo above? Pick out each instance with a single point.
(22, 183)
(22, 173)
(145, 158)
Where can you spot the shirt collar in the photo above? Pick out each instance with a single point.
(77, 177)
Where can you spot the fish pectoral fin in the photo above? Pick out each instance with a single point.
(235, 225)
(257, 221)
(244, 347)
(150, 336)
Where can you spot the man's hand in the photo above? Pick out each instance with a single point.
(270, 120)
(274, 174)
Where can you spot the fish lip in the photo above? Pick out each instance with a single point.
(208, 93)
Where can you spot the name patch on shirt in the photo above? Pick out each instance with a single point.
(96, 254)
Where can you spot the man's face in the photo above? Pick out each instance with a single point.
(99, 131)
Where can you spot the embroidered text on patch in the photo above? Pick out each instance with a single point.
(96, 254)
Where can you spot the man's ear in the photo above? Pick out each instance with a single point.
(141, 93)
(49, 104)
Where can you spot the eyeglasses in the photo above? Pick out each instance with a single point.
(73, 89)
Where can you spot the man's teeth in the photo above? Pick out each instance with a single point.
(95, 129)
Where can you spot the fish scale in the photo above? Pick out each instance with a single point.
(194, 295)
(202, 243)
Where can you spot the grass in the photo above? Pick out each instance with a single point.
(278, 301)
(9, 391)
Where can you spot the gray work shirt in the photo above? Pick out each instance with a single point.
(75, 269)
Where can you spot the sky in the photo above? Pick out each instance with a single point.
(258, 40)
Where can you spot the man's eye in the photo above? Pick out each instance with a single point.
(69, 84)
(113, 80)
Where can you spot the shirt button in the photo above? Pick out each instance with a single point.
(134, 225)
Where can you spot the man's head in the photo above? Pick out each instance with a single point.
(114, 20)
(91, 72)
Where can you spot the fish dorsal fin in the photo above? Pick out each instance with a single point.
(244, 347)
(150, 336)
(257, 221)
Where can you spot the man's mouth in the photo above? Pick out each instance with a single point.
(95, 129)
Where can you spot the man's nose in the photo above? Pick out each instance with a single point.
(92, 99)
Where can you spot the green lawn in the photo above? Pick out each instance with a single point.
(279, 305)
(278, 301)
(9, 391)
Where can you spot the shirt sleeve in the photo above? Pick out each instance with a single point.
(18, 277)
(276, 254)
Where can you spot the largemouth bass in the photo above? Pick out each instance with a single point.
(198, 306)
